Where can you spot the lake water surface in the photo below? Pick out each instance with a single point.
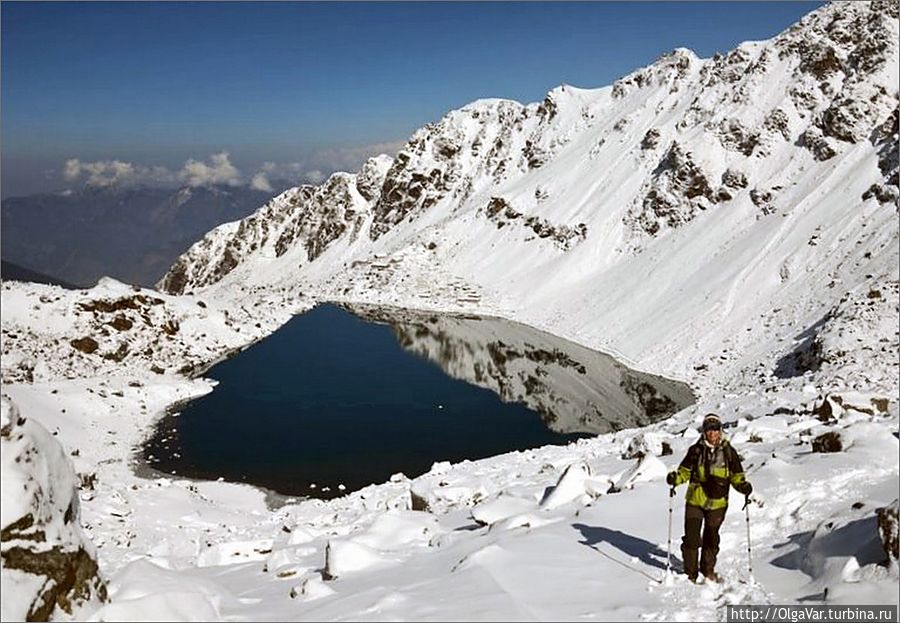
(337, 398)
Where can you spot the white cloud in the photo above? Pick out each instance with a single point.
(219, 171)
(100, 173)
(261, 182)
(317, 167)
(352, 158)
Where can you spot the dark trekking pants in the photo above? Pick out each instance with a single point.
(694, 518)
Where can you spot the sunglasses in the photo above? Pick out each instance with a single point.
(712, 427)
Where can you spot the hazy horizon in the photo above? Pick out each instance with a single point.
(157, 92)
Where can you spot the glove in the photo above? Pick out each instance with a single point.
(672, 492)
(745, 487)
(670, 478)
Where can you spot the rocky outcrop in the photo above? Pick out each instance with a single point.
(885, 139)
(565, 237)
(889, 528)
(312, 216)
(678, 190)
(48, 563)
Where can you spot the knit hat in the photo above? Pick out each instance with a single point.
(711, 421)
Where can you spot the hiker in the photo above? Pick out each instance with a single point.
(709, 466)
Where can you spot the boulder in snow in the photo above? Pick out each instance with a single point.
(647, 469)
(834, 405)
(398, 529)
(571, 486)
(347, 556)
(488, 513)
(310, 589)
(828, 442)
(48, 562)
(647, 443)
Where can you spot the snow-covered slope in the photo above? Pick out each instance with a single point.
(730, 222)
(697, 194)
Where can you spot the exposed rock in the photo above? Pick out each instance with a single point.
(121, 323)
(501, 212)
(734, 179)
(777, 122)
(735, 137)
(371, 177)
(848, 118)
(830, 408)
(813, 140)
(828, 442)
(651, 139)
(889, 528)
(41, 537)
(679, 188)
(85, 344)
(764, 199)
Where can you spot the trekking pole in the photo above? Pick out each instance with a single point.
(749, 557)
(669, 543)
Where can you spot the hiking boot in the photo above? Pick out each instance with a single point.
(712, 576)
(692, 577)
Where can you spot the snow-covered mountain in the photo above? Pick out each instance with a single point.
(696, 193)
(730, 222)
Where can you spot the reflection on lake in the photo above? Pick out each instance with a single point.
(334, 401)
(573, 388)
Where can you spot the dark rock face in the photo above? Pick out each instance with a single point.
(651, 139)
(828, 442)
(86, 345)
(888, 522)
(45, 540)
(886, 138)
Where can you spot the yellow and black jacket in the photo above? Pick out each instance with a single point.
(709, 471)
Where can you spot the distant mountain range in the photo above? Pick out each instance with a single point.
(131, 234)
(14, 272)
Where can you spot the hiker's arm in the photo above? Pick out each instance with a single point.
(683, 473)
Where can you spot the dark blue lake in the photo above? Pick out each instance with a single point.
(332, 399)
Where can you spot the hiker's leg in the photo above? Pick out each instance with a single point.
(711, 524)
(690, 542)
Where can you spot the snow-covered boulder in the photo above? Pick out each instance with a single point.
(398, 529)
(572, 486)
(647, 443)
(48, 562)
(311, 588)
(343, 556)
(647, 469)
(502, 507)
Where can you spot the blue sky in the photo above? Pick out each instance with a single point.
(309, 83)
